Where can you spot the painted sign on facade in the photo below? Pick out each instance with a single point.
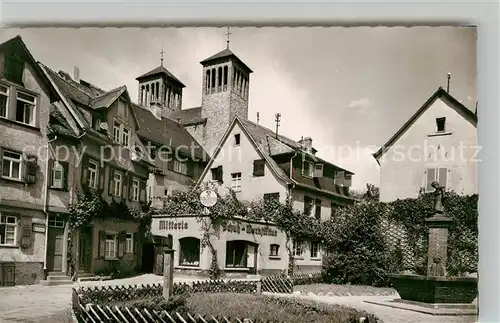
(166, 225)
(241, 228)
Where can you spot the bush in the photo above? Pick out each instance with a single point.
(176, 303)
(261, 308)
(117, 270)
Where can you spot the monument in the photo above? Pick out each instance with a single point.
(437, 289)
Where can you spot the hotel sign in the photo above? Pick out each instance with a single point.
(249, 229)
(166, 225)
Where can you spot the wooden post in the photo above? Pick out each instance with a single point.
(259, 287)
(168, 269)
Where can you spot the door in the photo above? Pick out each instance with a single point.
(85, 250)
(252, 258)
(55, 249)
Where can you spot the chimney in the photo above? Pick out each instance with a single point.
(306, 144)
(76, 74)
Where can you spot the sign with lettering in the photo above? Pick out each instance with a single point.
(208, 198)
(166, 225)
(250, 229)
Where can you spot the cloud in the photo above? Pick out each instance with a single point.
(362, 103)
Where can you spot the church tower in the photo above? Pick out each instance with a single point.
(160, 91)
(226, 81)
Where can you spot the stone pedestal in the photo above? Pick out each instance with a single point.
(438, 242)
(168, 272)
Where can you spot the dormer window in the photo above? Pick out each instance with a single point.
(116, 132)
(440, 124)
(307, 169)
(125, 137)
(122, 109)
(237, 139)
(4, 98)
(121, 134)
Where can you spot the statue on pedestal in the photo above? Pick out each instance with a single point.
(438, 198)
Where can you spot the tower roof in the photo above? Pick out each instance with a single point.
(225, 53)
(160, 70)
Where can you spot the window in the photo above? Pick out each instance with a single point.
(307, 169)
(274, 250)
(217, 173)
(117, 184)
(259, 168)
(317, 212)
(440, 124)
(126, 137)
(236, 182)
(93, 171)
(297, 247)
(110, 246)
(56, 221)
(308, 203)
(116, 132)
(237, 139)
(436, 174)
(129, 243)
(11, 165)
(4, 99)
(314, 249)
(8, 230)
(236, 254)
(180, 167)
(190, 252)
(58, 175)
(165, 193)
(25, 109)
(135, 189)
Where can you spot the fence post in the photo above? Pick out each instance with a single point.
(259, 287)
(168, 270)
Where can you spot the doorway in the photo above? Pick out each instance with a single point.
(55, 243)
(85, 249)
(148, 257)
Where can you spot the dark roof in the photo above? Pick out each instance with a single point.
(167, 132)
(58, 123)
(105, 100)
(188, 116)
(160, 70)
(440, 93)
(225, 53)
(274, 146)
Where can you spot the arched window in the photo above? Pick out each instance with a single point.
(225, 75)
(219, 83)
(146, 100)
(212, 84)
(152, 92)
(157, 90)
(234, 77)
(190, 252)
(207, 82)
(141, 96)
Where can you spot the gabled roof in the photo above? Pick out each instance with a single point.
(58, 124)
(225, 53)
(160, 70)
(260, 137)
(106, 99)
(167, 132)
(18, 41)
(440, 93)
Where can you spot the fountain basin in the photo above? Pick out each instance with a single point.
(435, 290)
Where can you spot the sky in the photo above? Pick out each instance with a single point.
(349, 89)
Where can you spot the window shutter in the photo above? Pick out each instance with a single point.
(85, 170)
(102, 176)
(190, 166)
(110, 180)
(431, 177)
(30, 166)
(130, 187)
(1, 163)
(26, 229)
(122, 238)
(142, 191)
(102, 243)
(125, 185)
(50, 176)
(136, 242)
(220, 174)
(443, 176)
(65, 166)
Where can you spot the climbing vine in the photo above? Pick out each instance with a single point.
(91, 205)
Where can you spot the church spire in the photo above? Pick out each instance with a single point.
(228, 33)
(161, 55)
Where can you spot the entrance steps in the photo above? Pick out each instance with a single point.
(56, 278)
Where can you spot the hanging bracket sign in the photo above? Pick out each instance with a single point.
(208, 198)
